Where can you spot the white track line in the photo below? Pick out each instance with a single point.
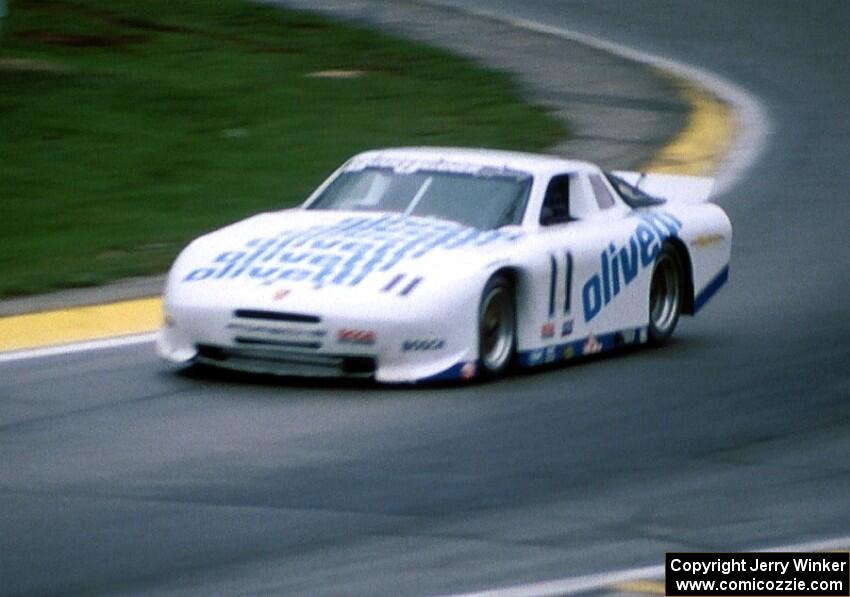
(50, 351)
(592, 582)
(752, 125)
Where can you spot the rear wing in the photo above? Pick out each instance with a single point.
(673, 187)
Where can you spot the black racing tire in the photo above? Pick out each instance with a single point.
(496, 327)
(666, 294)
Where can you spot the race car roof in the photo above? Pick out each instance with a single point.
(529, 162)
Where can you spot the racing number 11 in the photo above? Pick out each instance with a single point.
(553, 282)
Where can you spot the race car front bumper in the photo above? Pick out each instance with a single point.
(271, 342)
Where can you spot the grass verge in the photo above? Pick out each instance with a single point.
(128, 128)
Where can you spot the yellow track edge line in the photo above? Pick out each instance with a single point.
(645, 587)
(80, 324)
(697, 149)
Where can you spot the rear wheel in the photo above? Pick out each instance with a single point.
(665, 295)
(496, 327)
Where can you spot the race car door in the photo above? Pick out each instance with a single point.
(600, 255)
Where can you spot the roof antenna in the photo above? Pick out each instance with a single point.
(640, 180)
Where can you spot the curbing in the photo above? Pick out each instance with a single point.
(704, 141)
(78, 324)
(699, 148)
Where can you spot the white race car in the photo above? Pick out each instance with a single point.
(419, 264)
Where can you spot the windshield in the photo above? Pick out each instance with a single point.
(484, 202)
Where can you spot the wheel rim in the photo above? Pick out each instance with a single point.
(664, 294)
(497, 330)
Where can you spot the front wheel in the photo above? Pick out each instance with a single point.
(496, 327)
(665, 295)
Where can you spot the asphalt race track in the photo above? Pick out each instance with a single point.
(119, 475)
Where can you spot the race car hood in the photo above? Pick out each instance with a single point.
(312, 259)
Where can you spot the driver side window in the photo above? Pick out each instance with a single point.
(556, 202)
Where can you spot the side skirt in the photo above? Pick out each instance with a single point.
(583, 347)
(465, 371)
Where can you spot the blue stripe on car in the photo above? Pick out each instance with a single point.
(711, 288)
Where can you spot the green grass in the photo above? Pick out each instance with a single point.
(129, 127)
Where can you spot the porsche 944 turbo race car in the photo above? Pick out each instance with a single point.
(417, 264)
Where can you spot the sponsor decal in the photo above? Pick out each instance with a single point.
(411, 165)
(281, 294)
(421, 345)
(468, 370)
(586, 346)
(348, 336)
(706, 240)
(619, 267)
(591, 346)
(626, 337)
(275, 331)
(535, 357)
(345, 253)
(566, 328)
(548, 330)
